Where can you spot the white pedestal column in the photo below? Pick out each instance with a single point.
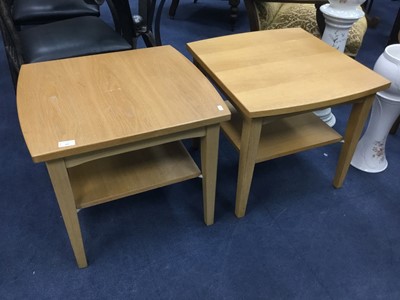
(338, 22)
(326, 115)
(339, 15)
(370, 155)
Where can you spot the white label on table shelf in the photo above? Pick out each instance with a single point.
(66, 143)
(220, 107)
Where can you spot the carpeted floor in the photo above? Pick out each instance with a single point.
(300, 239)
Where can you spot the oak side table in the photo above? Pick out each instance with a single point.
(273, 79)
(110, 125)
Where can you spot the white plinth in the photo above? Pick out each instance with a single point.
(338, 23)
(326, 115)
(339, 18)
(370, 155)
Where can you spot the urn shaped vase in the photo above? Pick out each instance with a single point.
(370, 154)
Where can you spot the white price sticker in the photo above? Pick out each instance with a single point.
(63, 144)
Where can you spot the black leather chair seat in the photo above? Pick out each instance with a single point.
(68, 38)
(43, 11)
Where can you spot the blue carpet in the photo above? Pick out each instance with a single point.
(300, 239)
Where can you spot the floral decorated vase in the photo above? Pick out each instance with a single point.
(370, 154)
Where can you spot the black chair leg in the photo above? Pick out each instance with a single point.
(172, 8)
(372, 21)
(233, 14)
(394, 34)
(149, 39)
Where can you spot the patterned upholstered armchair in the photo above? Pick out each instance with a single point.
(275, 14)
(394, 38)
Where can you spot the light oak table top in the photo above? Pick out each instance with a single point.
(111, 99)
(263, 72)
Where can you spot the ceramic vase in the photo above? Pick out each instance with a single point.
(339, 16)
(370, 155)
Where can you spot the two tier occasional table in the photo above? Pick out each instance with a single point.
(273, 80)
(110, 125)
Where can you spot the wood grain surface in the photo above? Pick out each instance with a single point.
(106, 100)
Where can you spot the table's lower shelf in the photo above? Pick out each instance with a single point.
(114, 177)
(284, 136)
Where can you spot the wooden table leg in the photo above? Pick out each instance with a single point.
(250, 139)
(209, 160)
(62, 188)
(355, 124)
